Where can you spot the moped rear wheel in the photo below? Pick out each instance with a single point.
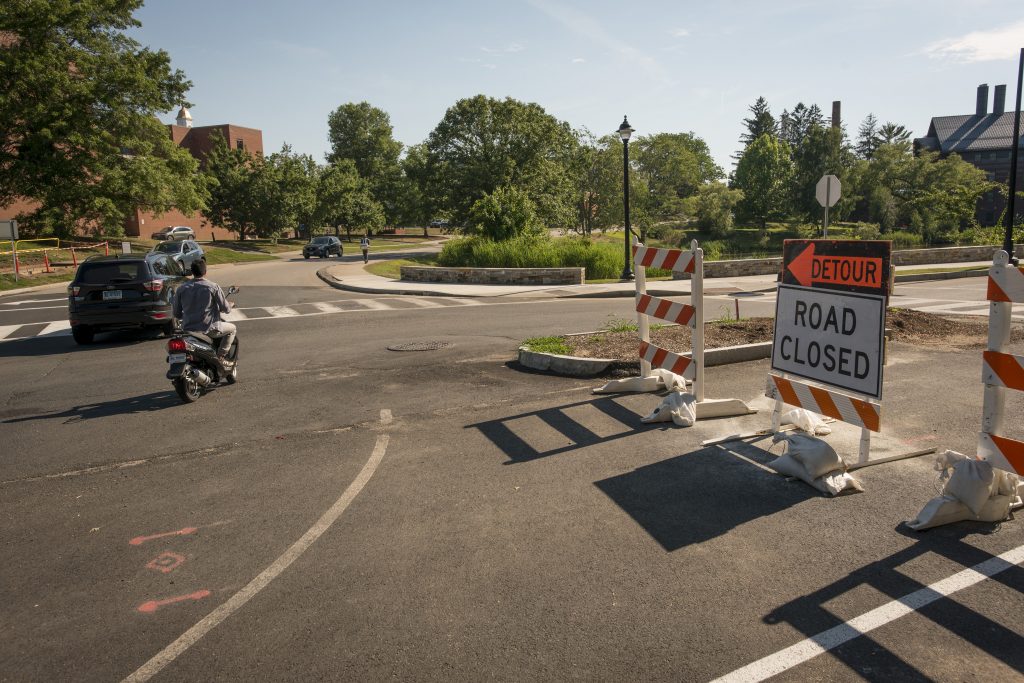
(188, 389)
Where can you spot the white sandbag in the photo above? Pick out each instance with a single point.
(832, 483)
(658, 379)
(812, 423)
(630, 384)
(817, 457)
(971, 483)
(947, 510)
(678, 407)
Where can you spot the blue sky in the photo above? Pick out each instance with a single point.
(671, 66)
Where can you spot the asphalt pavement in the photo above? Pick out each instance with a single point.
(350, 512)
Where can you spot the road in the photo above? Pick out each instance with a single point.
(350, 512)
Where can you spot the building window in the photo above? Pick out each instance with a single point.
(239, 143)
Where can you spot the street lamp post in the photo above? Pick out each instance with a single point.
(624, 132)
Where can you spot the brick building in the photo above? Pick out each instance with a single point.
(983, 139)
(197, 141)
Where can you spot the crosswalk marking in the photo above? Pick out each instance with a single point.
(424, 303)
(375, 305)
(58, 326)
(281, 311)
(328, 307)
(235, 315)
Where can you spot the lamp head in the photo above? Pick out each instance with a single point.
(625, 130)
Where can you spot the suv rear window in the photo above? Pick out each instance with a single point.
(102, 273)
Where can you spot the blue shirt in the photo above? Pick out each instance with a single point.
(199, 304)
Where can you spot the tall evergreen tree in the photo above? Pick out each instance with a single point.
(867, 137)
(761, 122)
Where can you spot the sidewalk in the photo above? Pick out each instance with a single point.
(352, 277)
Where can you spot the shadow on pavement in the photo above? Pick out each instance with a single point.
(673, 501)
(513, 439)
(87, 411)
(58, 343)
(868, 657)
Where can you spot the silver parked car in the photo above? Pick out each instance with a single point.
(185, 252)
(175, 232)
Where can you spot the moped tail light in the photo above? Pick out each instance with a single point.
(176, 346)
(153, 285)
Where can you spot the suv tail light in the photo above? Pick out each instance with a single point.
(176, 346)
(73, 290)
(153, 285)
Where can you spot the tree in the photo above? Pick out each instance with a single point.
(714, 205)
(232, 176)
(677, 165)
(79, 104)
(867, 137)
(763, 174)
(761, 122)
(482, 144)
(363, 133)
(286, 192)
(505, 213)
(892, 133)
(598, 173)
(794, 126)
(823, 151)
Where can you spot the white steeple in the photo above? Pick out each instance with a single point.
(184, 118)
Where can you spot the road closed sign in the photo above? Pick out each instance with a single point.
(831, 337)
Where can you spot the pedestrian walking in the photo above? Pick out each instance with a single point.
(364, 244)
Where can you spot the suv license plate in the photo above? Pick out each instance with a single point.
(176, 358)
(112, 295)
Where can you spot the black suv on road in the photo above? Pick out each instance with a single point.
(323, 247)
(119, 292)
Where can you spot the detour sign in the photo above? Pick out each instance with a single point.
(846, 265)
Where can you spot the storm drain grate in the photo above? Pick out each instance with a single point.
(420, 346)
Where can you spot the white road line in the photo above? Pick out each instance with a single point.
(281, 311)
(7, 329)
(374, 304)
(235, 315)
(423, 303)
(908, 303)
(810, 648)
(467, 302)
(328, 307)
(952, 307)
(59, 326)
(239, 599)
(34, 308)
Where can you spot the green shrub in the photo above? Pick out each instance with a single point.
(901, 239)
(602, 261)
(548, 345)
(713, 250)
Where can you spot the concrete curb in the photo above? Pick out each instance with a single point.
(338, 284)
(573, 366)
(953, 275)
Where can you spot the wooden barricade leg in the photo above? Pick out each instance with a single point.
(642, 321)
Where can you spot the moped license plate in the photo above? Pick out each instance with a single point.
(176, 358)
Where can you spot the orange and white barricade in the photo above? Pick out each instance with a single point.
(689, 261)
(1001, 370)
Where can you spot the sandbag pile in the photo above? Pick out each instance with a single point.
(679, 407)
(814, 462)
(973, 490)
(658, 379)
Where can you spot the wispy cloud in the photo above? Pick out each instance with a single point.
(980, 46)
(511, 48)
(586, 25)
(578, 60)
(679, 32)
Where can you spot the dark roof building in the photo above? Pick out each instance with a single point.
(983, 139)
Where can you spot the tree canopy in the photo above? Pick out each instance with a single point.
(79, 104)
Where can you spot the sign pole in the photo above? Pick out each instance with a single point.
(697, 301)
(14, 251)
(828, 202)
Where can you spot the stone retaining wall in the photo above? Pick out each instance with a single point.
(494, 276)
(902, 257)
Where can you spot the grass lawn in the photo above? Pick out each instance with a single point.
(7, 281)
(392, 269)
(215, 255)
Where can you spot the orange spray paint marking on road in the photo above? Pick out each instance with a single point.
(139, 540)
(166, 562)
(154, 605)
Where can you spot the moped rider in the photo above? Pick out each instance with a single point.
(200, 304)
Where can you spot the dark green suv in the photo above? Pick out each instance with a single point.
(120, 292)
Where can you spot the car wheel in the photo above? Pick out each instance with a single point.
(83, 335)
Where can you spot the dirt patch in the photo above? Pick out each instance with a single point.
(905, 325)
